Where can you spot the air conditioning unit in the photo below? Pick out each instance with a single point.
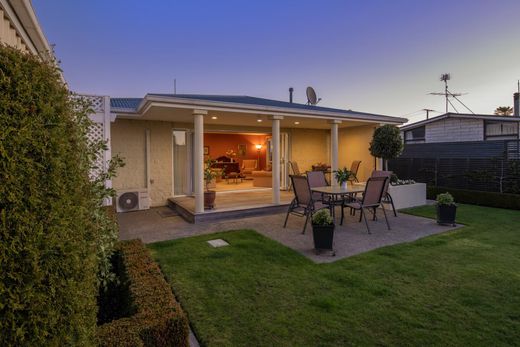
(132, 200)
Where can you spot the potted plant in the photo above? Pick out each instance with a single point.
(446, 209)
(342, 176)
(323, 230)
(209, 175)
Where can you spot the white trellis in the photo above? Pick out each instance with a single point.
(100, 130)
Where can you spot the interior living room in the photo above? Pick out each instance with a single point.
(239, 161)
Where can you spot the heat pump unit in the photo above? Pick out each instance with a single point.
(132, 200)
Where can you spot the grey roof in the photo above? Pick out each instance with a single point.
(132, 104)
(125, 103)
(461, 115)
(250, 100)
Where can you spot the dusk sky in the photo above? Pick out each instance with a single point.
(372, 56)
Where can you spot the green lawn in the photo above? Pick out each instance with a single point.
(458, 288)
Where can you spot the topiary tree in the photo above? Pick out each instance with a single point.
(55, 237)
(386, 143)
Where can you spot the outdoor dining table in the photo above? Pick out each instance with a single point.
(337, 194)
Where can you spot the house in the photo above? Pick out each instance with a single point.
(19, 28)
(465, 151)
(165, 139)
(462, 135)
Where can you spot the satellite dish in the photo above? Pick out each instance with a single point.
(311, 96)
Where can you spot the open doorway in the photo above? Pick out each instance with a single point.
(240, 160)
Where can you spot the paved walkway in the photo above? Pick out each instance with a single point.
(154, 225)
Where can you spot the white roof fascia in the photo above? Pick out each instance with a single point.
(177, 102)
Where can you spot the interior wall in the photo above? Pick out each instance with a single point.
(309, 146)
(128, 139)
(354, 143)
(219, 144)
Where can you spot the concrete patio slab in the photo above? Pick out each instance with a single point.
(350, 239)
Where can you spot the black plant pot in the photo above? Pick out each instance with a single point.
(446, 214)
(323, 236)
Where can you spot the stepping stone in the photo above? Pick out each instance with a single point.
(218, 243)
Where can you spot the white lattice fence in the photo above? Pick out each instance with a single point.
(100, 131)
(96, 134)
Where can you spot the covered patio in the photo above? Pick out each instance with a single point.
(147, 130)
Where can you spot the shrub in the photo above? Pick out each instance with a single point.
(445, 199)
(322, 217)
(475, 197)
(51, 218)
(158, 319)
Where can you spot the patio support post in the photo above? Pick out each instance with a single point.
(334, 125)
(275, 140)
(198, 158)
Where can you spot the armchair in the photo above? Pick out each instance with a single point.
(248, 166)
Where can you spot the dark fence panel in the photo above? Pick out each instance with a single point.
(473, 149)
(500, 173)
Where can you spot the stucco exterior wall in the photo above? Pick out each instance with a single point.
(353, 145)
(309, 146)
(454, 130)
(129, 141)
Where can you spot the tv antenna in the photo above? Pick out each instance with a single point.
(445, 77)
(311, 97)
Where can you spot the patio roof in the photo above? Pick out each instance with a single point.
(243, 104)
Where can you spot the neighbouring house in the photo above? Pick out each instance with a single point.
(464, 127)
(467, 151)
(166, 139)
(457, 135)
(19, 28)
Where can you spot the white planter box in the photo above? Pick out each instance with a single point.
(408, 195)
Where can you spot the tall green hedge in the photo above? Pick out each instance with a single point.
(51, 219)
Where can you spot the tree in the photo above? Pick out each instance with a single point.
(504, 111)
(386, 143)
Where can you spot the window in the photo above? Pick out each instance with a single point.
(416, 135)
(496, 130)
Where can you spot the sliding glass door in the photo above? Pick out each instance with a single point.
(284, 158)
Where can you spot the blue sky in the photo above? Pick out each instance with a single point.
(373, 56)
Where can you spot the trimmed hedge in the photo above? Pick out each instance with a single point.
(159, 319)
(48, 230)
(476, 197)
